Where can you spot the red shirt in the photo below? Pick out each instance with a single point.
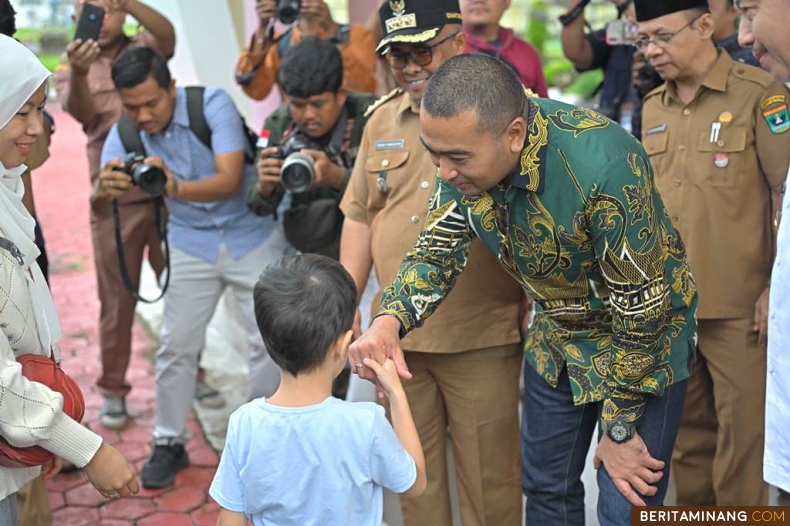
(518, 53)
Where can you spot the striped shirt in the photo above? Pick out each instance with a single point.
(200, 229)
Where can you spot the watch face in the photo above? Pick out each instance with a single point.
(618, 432)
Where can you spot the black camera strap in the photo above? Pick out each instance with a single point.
(161, 230)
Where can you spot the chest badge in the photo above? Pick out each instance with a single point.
(721, 160)
(381, 182)
(725, 117)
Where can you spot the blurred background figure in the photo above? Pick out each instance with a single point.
(256, 71)
(611, 50)
(485, 35)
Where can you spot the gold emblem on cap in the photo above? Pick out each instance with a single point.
(398, 7)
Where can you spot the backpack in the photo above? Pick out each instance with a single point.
(130, 133)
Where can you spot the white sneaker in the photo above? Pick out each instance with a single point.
(113, 413)
(208, 397)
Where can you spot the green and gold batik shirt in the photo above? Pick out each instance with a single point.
(581, 227)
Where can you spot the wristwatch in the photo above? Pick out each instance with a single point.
(619, 431)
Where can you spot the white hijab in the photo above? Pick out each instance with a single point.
(21, 74)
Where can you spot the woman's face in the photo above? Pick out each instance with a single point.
(18, 136)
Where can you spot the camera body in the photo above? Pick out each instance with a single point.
(621, 32)
(151, 179)
(298, 169)
(288, 11)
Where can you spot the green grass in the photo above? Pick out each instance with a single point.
(49, 61)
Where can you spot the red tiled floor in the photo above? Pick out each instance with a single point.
(76, 516)
(61, 191)
(181, 500)
(131, 509)
(166, 519)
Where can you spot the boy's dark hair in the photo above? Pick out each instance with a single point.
(311, 67)
(475, 82)
(302, 305)
(7, 18)
(135, 65)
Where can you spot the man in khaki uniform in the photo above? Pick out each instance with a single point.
(466, 360)
(716, 133)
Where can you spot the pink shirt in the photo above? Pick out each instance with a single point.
(518, 53)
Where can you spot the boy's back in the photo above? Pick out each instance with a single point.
(322, 464)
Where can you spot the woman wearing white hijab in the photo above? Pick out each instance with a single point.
(30, 413)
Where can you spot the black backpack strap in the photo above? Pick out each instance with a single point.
(130, 135)
(197, 116)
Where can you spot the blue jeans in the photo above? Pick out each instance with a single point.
(555, 440)
(8, 511)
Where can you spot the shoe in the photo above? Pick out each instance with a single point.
(161, 467)
(113, 413)
(209, 397)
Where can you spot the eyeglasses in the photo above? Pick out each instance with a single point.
(662, 39)
(419, 55)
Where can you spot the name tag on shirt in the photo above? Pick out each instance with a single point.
(389, 145)
(656, 129)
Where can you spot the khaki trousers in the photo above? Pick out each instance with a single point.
(475, 394)
(138, 231)
(32, 505)
(718, 457)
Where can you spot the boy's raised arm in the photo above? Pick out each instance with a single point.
(402, 421)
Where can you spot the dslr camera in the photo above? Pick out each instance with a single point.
(298, 170)
(288, 11)
(151, 179)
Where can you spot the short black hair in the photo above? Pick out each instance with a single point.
(135, 65)
(311, 67)
(302, 305)
(7, 18)
(476, 82)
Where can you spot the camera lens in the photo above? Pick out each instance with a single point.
(288, 11)
(150, 178)
(297, 173)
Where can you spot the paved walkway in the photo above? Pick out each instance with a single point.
(61, 191)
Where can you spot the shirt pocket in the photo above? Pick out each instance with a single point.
(381, 179)
(721, 162)
(656, 148)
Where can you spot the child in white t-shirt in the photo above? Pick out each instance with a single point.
(302, 457)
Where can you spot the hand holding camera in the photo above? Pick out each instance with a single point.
(119, 176)
(82, 54)
(266, 10)
(269, 166)
(299, 165)
(326, 172)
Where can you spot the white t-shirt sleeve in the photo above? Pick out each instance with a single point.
(227, 487)
(391, 465)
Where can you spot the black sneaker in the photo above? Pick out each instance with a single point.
(160, 469)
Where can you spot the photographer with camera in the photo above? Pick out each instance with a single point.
(216, 243)
(609, 49)
(256, 71)
(317, 133)
(82, 81)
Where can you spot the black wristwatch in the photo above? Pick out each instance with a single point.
(619, 431)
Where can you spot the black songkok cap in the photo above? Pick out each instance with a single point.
(650, 9)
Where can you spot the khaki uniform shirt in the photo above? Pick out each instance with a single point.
(716, 160)
(482, 310)
(107, 103)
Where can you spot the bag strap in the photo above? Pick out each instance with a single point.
(197, 115)
(10, 246)
(130, 135)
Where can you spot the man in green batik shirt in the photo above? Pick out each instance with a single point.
(565, 197)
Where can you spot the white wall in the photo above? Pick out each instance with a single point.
(207, 48)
